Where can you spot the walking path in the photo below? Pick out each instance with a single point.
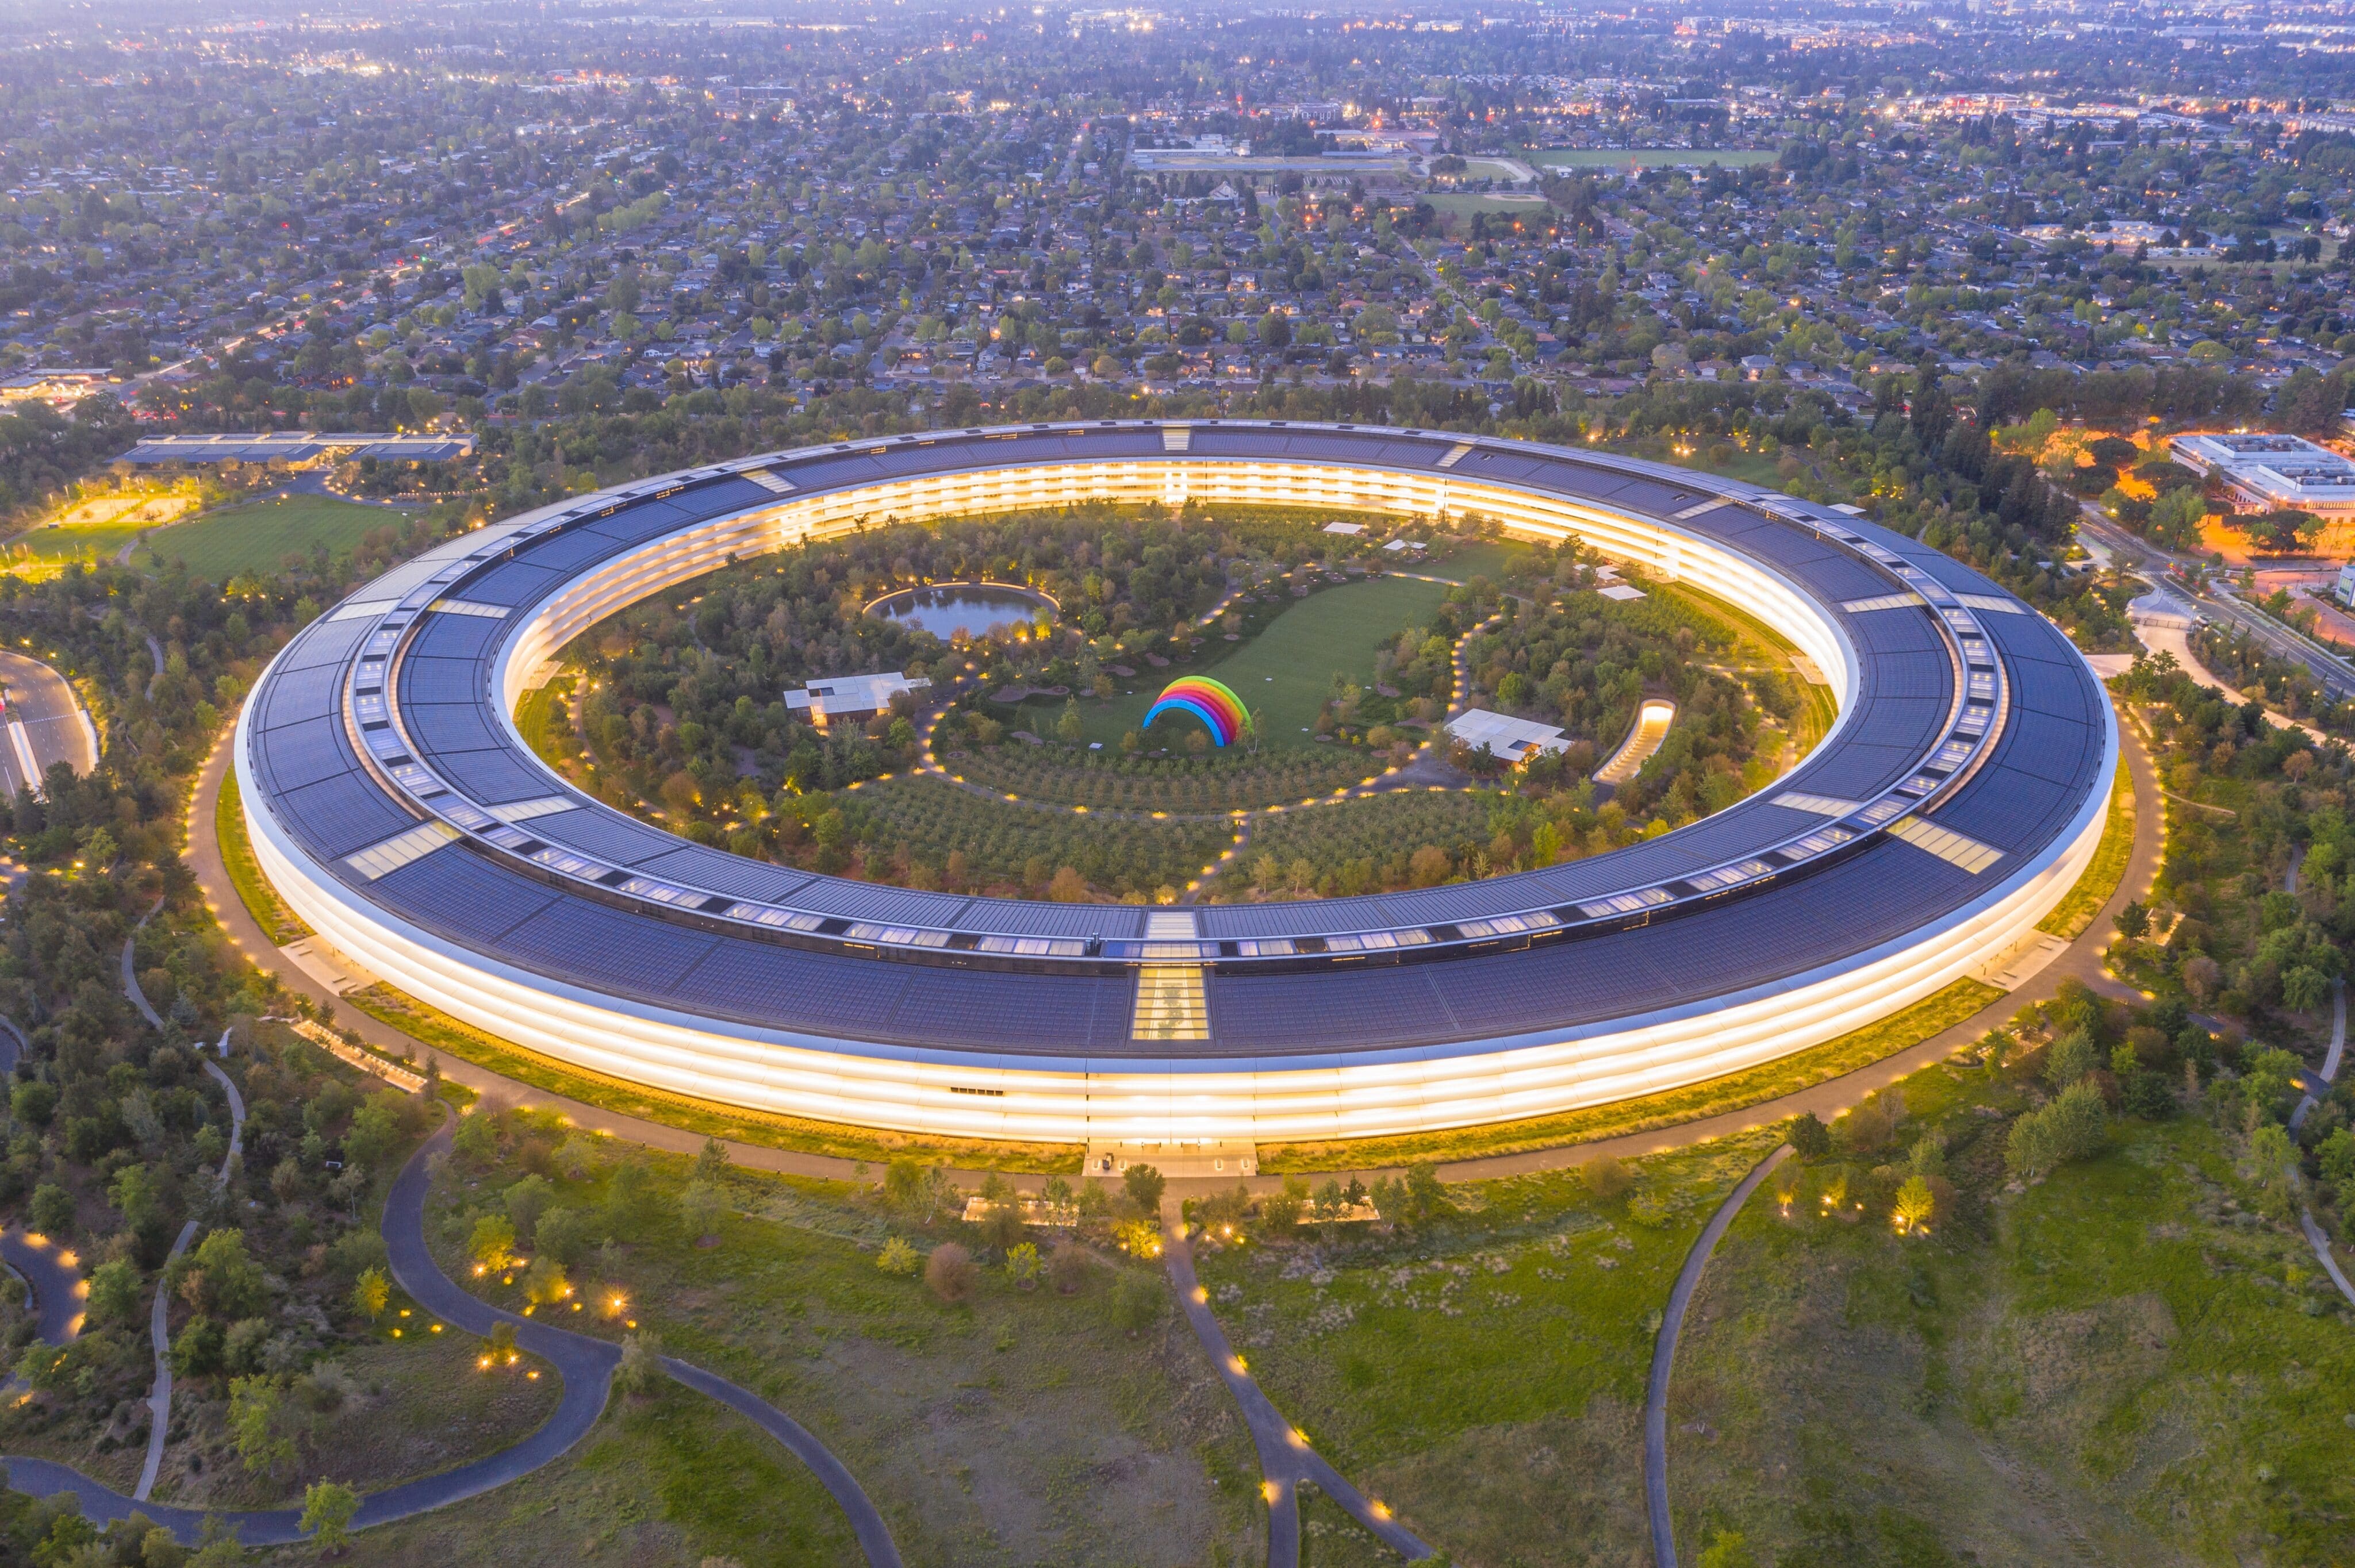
(1285, 1459)
(159, 1400)
(585, 1364)
(1664, 1358)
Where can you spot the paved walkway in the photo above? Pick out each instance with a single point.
(1285, 1459)
(1664, 1358)
(159, 1400)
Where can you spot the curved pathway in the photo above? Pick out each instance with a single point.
(585, 1364)
(1285, 1459)
(1664, 1358)
(48, 1270)
(159, 1399)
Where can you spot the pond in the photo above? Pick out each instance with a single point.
(975, 609)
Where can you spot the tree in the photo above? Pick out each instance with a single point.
(1022, 1265)
(52, 1210)
(491, 1245)
(371, 1294)
(526, 1201)
(2071, 1058)
(640, 1367)
(1070, 726)
(2335, 1157)
(1914, 1205)
(898, 1257)
(327, 1510)
(255, 1405)
(711, 1162)
(2304, 989)
(223, 1277)
(951, 1273)
(115, 1295)
(1068, 887)
(2132, 921)
(700, 1209)
(903, 1186)
(1145, 1186)
(1810, 1138)
(1424, 1190)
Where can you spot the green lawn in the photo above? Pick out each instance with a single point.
(258, 537)
(1484, 1375)
(1647, 157)
(1015, 1427)
(2122, 1364)
(1286, 673)
(1528, 203)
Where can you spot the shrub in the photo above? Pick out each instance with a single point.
(899, 1258)
(951, 1273)
(1279, 1212)
(565, 1234)
(544, 1283)
(1022, 1265)
(1002, 1226)
(198, 1352)
(640, 1368)
(2071, 1128)
(1137, 1301)
(1606, 1179)
(1068, 1268)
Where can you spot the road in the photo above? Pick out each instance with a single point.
(45, 724)
(2331, 671)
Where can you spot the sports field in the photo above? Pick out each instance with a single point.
(1649, 157)
(92, 530)
(1284, 674)
(258, 537)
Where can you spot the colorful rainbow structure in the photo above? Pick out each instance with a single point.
(1221, 711)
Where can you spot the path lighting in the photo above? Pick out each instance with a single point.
(1271, 1490)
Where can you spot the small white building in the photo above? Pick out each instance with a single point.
(1513, 739)
(2270, 473)
(849, 699)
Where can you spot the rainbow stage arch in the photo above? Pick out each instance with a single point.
(1221, 711)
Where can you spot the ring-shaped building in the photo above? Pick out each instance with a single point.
(393, 804)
